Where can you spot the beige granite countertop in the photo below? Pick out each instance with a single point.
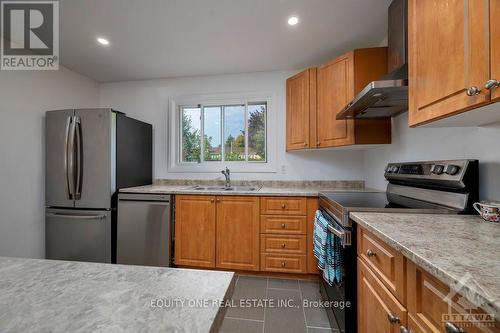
(271, 188)
(452, 248)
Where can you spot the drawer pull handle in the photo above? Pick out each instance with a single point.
(492, 84)
(283, 245)
(450, 328)
(283, 225)
(283, 263)
(403, 329)
(473, 91)
(283, 206)
(393, 319)
(370, 253)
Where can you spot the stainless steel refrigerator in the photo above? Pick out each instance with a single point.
(90, 154)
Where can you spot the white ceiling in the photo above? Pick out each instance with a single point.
(171, 38)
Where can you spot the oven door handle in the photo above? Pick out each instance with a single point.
(344, 235)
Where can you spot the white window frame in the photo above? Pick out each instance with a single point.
(174, 145)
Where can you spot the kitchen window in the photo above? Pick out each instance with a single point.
(223, 133)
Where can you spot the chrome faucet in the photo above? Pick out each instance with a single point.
(227, 174)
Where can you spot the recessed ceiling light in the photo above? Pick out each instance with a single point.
(293, 20)
(103, 41)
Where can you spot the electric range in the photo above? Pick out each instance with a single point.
(433, 187)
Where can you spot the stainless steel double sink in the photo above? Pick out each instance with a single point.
(223, 188)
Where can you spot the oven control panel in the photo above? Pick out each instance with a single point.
(430, 171)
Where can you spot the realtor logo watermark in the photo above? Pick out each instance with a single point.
(462, 313)
(29, 35)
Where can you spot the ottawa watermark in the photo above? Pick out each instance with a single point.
(464, 313)
(29, 35)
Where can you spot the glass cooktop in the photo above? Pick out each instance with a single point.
(358, 199)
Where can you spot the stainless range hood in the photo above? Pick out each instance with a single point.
(388, 96)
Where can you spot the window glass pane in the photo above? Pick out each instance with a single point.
(234, 133)
(257, 132)
(191, 131)
(212, 129)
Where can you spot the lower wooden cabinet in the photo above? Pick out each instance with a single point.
(245, 233)
(384, 261)
(378, 310)
(195, 230)
(312, 262)
(431, 305)
(238, 233)
(424, 305)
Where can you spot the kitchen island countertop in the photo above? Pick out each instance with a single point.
(452, 248)
(65, 296)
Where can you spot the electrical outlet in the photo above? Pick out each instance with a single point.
(283, 168)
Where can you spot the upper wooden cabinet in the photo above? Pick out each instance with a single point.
(339, 81)
(314, 98)
(495, 46)
(238, 233)
(449, 59)
(195, 230)
(300, 108)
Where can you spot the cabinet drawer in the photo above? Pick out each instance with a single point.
(283, 263)
(378, 310)
(283, 206)
(283, 244)
(429, 308)
(387, 263)
(295, 225)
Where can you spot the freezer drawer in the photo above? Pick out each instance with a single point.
(143, 230)
(80, 235)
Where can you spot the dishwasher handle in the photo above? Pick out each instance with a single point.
(161, 198)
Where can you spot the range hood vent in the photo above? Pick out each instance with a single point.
(388, 96)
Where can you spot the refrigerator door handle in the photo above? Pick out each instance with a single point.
(70, 158)
(79, 159)
(77, 217)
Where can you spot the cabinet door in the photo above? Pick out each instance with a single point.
(195, 230)
(312, 262)
(495, 45)
(238, 233)
(448, 54)
(300, 110)
(335, 90)
(432, 304)
(376, 304)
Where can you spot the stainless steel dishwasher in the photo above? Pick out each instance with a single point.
(144, 235)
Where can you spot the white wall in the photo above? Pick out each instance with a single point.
(149, 101)
(24, 97)
(414, 144)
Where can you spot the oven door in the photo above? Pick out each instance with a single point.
(341, 297)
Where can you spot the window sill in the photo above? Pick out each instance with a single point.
(235, 168)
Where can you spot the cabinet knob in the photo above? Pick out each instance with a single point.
(403, 329)
(305, 144)
(283, 263)
(283, 206)
(283, 245)
(212, 200)
(283, 225)
(491, 84)
(450, 328)
(217, 200)
(370, 253)
(473, 91)
(318, 143)
(393, 319)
